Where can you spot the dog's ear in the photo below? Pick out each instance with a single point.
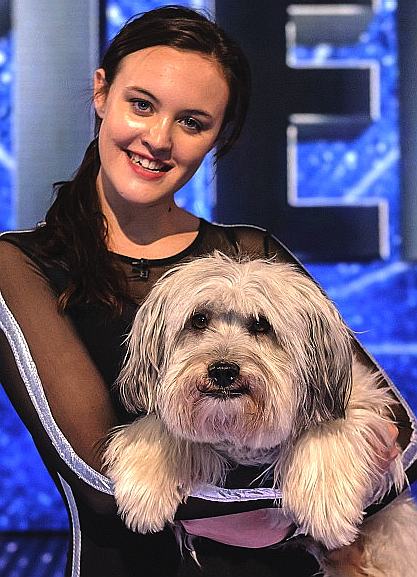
(327, 357)
(146, 350)
(318, 342)
(329, 364)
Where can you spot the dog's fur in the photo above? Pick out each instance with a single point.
(300, 403)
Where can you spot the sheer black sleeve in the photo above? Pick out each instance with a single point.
(50, 378)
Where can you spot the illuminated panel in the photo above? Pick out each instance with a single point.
(330, 22)
(346, 103)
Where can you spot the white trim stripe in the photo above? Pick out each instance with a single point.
(76, 529)
(213, 493)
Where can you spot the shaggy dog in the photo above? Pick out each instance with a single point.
(249, 362)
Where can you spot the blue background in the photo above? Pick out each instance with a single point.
(377, 299)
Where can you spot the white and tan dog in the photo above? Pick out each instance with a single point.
(248, 362)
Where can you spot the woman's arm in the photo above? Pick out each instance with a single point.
(50, 379)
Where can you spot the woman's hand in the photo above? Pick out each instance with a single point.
(392, 450)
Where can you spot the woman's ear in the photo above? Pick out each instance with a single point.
(100, 92)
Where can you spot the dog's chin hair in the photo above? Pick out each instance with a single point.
(252, 420)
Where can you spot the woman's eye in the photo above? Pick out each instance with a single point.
(192, 124)
(199, 321)
(259, 325)
(141, 105)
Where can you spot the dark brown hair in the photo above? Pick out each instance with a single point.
(75, 228)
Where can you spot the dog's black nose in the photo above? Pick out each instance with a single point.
(223, 373)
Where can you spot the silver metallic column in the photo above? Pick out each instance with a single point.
(56, 48)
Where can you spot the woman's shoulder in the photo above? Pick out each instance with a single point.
(23, 239)
(254, 241)
(23, 250)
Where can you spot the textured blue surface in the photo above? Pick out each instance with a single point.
(28, 498)
(378, 299)
(6, 158)
(32, 556)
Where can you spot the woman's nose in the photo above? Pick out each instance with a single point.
(158, 137)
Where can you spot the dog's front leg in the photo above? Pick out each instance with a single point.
(153, 472)
(334, 469)
(322, 489)
(142, 461)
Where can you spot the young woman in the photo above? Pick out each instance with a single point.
(171, 87)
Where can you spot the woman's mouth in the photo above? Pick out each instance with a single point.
(151, 165)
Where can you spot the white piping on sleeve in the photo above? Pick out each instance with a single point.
(76, 529)
(30, 377)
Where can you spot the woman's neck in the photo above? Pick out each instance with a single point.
(153, 231)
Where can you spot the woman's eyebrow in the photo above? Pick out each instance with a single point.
(196, 112)
(144, 91)
(193, 111)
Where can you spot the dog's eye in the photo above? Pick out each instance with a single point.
(259, 326)
(199, 321)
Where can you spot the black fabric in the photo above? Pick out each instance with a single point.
(77, 357)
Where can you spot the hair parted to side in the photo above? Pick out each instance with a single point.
(76, 229)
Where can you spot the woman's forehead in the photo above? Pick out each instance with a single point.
(161, 67)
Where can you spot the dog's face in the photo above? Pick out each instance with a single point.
(247, 353)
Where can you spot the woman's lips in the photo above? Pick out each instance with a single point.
(149, 169)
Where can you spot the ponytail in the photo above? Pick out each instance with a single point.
(76, 233)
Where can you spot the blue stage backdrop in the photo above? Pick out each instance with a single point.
(377, 299)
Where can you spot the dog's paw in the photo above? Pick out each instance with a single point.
(142, 459)
(147, 507)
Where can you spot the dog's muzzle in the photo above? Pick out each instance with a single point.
(223, 377)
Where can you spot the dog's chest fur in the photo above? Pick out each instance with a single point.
(244, 455)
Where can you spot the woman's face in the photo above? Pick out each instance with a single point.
(160, 117)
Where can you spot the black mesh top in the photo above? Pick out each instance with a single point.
(58, 371)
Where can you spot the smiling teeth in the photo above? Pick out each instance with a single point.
(146, 163)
